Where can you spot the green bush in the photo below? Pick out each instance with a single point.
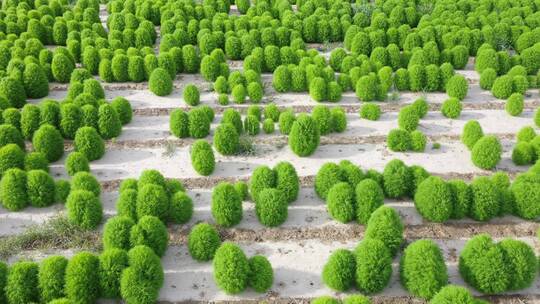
(152, 199)
(286, 121)
(63, 187)
(472, 133)
(202, 157)
(525, 192)
(12, 116)
(328, 175)
(198, 123)
(243, 190)
(451, 108)
(418, 141)
(523, 154)
(48, 140)
(231, 268)
(51, 278)
(261, 276)
(226, 139)
(422, 269)
(40, 188)
(521, 261)
(502, 87)
(76, 162)
(116, 232)
(304, 136)
(487, 78)
(70, 119)
(181, 209)
(123, 109)
(82, 278)
(369, 197)
(10, 135)
(434, 199)
(356, 299)
(271, 207)
(209, 68)
(526, 134)
(86, 181)
(35, 161)
(341, 202)
(179, 123)
(252, 125)
(373, 265)
(30, 120)
(262, 178)
(84, 209)
(268, 126)
(126, 205)
(142, 280)
(397, 179)
(339, 119)
(421, 106)
(226, 205)
(89, 142)
(22, 283)
(255, 92)
(109, 124)
(408, 118)
(120, 67)
(457, 87)
(514, 104)
(351, 172)
(370, 111)
(239, 93)
(287, 181)
(61, 67)
(323, 118)
(191, 95)
(281, 80)
(339, 271)
(385, 225)
(11, 156)
(325, 300)
(160, 82)
(111, 264)
(453, 294)
(13, 190)
(317, 89)
(462, 198)
(399, 140)
(486, 152)
(12, 89)
(272, 111)
(520, 84)
(486, 199)
(203, 241)
(150, 231)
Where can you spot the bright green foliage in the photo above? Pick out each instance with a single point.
(76, 162)
(385, 225)
(252, 125)
(317, 89)
(451, 108)
(11, 156)
(203, 241)
(61, 67)
(226, 205)
(226, 139)
(281, 80)
(522, 263)
(89, 142)
(399, 140)
(418, 141)
(323, 118)
(150, 231)
(261, 276)
(287, 181)
(486, 199)
(487, 78)
(262, 177)
(84, 209)
(325, 300)
(271, 207)
(286, 120)
(30, 120)
(123, 109)
(243, 190)
(370, 111)
(339, 119)
(63, 188)
(160, 82)
(181, 209)
(268, 126)
(408, 118)
(179, 123)
(116, 232)
(40, 188)
(22, 283)
(35, 161)
(523, 154)
(463, 198)
(328, 175)
(231, 268)
(82, 278)
(10, 135)
(422, 269)
(453, 294)
(341, 203)
(239, 93)
(339, 271)
(514, 104)
(526, 134)
(85, 181)
(373, 266)
(472, 132)
(13, 191)
(142, 280)
(304, 136)
(109, 124)
(369, 197)
(434, 199)
(457, 87)
(111, 264)
(51, 278)
(525, 193)
(397, 179)
(48, 140)
(191, 95)
(202, 157)
(272, 111)
(486, 152)
(198, 123)
(152, 199)
(502, 87)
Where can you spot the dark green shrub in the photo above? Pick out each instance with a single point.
(462, 198)
(472, 132)
(339, 271)
(10, 135)
(111, 264)
(261, 276)
(123, 109)
(373, 265)
(191, 95)
(63, 187)
(11, 156)
(160, 82)
(13, 191)
(62, 67)
(116, 232)
(434, 199)
(385, 225)
(408, 118)
(451, 108)
(40, 188)
(399, 140)
(12, 90)
(487, 78)
(51, 278)
(152, 199)
(35, 161)
(30, 120)
(142, 280)
(271, 207)
(525, 193)
(89, 142)
(181, 209)
(76, 162)
(369, 197)
(82, 278)
(126, 204)
(150, 231)
(502, 87)
(486, 152)
(422, 269)
(179, 123)
(514, 104)
(486, 199)
(70, 119)
(370, 111)
(85, 181)
(84, 209)
(109, 124)
(453, 294)
(202, 157)
(341, 202)
(457, 87)
(203, 241)
(48, 140)
(304, 136)
(287, 181)
(22, 283)
(226, 205)
(231, 268)
(397, 179)
(226, 139)
(262, 177)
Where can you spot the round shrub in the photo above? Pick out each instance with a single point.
(271, 207)
(487, 78)
(472, 132)
(198, 123)
(317, 89)
(281, 80)
(84, 209)
(255, 92)
(111, 264)
(203, 241)
(181, 209)
(109, 124)
(48, 140)
(287, 181)
(40, 188)
(12, 116)
(76, 162)
(373, 266)
(304, 136)
(523, 154)
(30, 120)
(418, 141)
(422, 269)
(525, 192)
(268, 126)
(160, 82)
(502, 87)
(522, 262)
(226, 205)
(10, 135)
(323, 118)
(123, 109)
(116, 232)
(63, 187)
(35, 161)
(514, 104)
(243, 190)
(286, 121)
(408, 118)
(179, 123)
(223, 99)
(339, 271)
(13, 190)
(126, 205)
(451, 108)
(82, 279)
(22, 283)
(61, 67)
(453, 294)
(85, 181)
(152, 199)
(202, 157)
(262, 177)
(191, 95)
(385, 225)
(486, 152)
(328, 175)
(434, 199)
(12, 89)
(369, 197)
(399, 140)
(89, 142)
(252, 125)
(340, 201)
(526, 134)
(143, 279)
(462, 198)
(231, 268)
(370, 111)
(233, 117)
(352, 173)
(226, 139)
(272, 111)
(51, 278)
(486, 199)
(457, 87)
(150, 231)
(70, 119)
(261, 276)
(397, 179)
(152, 176)
(239, 93)
(11, 156)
